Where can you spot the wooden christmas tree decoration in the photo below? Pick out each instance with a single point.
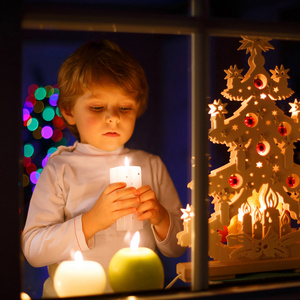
(256, 194)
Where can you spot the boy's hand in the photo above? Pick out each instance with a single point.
(109, 207)
(150, 209)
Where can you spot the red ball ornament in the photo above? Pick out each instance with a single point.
(261, 148)
(258, 83)
(233, 181)
(291, 181)
(282, 129)
(249, 121)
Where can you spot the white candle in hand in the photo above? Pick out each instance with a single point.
(132, 176)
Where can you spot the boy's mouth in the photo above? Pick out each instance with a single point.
(111, 134)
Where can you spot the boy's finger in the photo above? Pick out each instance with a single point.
(113, 186)
(126, 203)
(118, 186)
(123, 212)
(124, 192)
(148, 195)
(142, 190)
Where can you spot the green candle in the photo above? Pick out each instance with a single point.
(135, 269)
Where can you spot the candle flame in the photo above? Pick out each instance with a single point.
(285, 218)
(126, 161)
(270, 201)
(134, 245)
(246, 208)
(78, 256)
(271, 198)
(257, 215)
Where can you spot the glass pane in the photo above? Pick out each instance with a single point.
(269, 11)
(178, 7)
(163, 130)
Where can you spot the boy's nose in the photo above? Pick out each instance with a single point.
(112, 117)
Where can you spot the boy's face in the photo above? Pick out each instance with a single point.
(105, 117)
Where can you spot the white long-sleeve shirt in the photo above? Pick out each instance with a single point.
(69, 185)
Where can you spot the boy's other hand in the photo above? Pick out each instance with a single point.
(150, 209)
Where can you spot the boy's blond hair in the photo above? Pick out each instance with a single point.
(96, 64)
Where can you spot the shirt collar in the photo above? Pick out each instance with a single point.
(91, 150)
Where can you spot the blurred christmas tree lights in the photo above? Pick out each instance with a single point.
(44, 130)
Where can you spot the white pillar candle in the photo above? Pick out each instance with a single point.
(132, 176)
(79, 278)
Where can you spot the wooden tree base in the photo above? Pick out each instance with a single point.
(225, 270)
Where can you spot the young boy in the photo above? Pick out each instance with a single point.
(74, 207)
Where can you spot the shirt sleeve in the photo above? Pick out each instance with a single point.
(167, 195)
(47, 237)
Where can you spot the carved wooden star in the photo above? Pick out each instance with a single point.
(217, 107)
(253, 42)
(233, 72)
(187, 212)
(295, 107)
(279, 73)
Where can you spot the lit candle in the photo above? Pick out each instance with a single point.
(257, 228)
(79, 278)
(135, 269)
(247, 219)
(271, 213)
(285, 223)
(132, 176)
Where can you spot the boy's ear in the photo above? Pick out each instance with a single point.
(68, 116)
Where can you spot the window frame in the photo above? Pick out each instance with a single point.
(200, 26)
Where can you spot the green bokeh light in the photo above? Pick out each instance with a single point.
(40, 93)
(33, 124)
(28, 150)
(48, 113)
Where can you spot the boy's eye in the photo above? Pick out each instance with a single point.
(125, 108)
(96, 108)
